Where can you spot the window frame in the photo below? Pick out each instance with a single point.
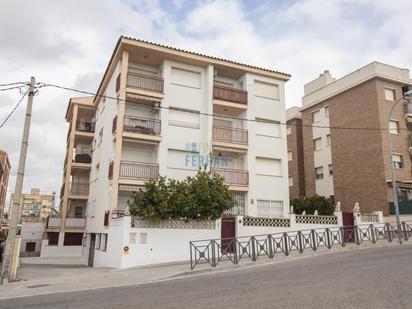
(319, 176)
(393, 91)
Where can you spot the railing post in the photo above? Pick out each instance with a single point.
(191, 256)
(299, 236)
(286, 248)
(329, 243)
(213, 242)
(315, 243)
(252, 239)
(270, 246)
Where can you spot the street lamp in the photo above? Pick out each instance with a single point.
(395, 194)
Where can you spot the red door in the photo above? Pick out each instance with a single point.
(348, 222)
(228, 234)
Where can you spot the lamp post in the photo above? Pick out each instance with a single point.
(395, 194)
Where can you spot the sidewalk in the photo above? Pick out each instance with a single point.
(37, 279)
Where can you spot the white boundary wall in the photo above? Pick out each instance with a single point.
(148, 245)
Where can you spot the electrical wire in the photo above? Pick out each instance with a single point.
(42, 84)
(15, 83)
(13, 110)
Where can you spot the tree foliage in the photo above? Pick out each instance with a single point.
(204, 196)
(311, 204)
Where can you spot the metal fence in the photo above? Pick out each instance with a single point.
(213, 251)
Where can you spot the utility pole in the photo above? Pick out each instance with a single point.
(9, 255)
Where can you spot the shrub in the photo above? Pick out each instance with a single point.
(310, 204)
(204, 196)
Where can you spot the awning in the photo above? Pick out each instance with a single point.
(229, 149)
(402, 185)
(142, 98)
(129, 188)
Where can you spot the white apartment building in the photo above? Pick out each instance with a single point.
(175, 112)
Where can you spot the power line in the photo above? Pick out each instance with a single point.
(11, 88)
(42, 84)
(13, 110)
(15, 83)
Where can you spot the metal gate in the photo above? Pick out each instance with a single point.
(348, 223)
(228, 232)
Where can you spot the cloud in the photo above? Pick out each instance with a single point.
(70, 42)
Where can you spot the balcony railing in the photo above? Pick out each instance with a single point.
(230, 94)
(83, 155)
(141, 125)
(54, 222)
(230, 135)
(85, 126)
(145, 82)
(75, 223)
(139, 170)
(232, 176)
(79, 188)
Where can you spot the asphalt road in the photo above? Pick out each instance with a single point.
(368, 278)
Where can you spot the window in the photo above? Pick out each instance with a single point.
(288, 130)
(268, 167)
(332, 199)
(330, 170)
(317, 144)
(328, 140)
(397, 161)
(319, 172)
(269, 208)
(267, 127)
(103, 242)
(390, 94)
(326, 111)
(53, 238)
(73, 239)
(316, 116)
(97, 244)
(289, 155)
(78, 212)
(290, 181)
(394, 127)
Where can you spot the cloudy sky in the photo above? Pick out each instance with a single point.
(69, 42)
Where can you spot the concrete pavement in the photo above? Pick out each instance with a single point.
(377, 277)
(45, 279)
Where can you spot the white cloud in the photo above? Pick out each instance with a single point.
(70, 43)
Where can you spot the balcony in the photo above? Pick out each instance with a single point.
(54, 222)
(145, 82)
(230, 94)
(79, 188)
(233, 177)
(85, 126)
(139, 170)
(75, 223)
(141, 125)
(230, 135)
(408, 112)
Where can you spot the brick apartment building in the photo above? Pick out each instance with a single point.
(352, 165)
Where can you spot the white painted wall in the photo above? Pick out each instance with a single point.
(266, 100)
(100, 188)
(162, 246)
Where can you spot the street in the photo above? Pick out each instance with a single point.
(367, 278)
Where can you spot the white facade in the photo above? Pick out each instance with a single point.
(169, 121)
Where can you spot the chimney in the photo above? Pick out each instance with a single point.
(324, 79)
